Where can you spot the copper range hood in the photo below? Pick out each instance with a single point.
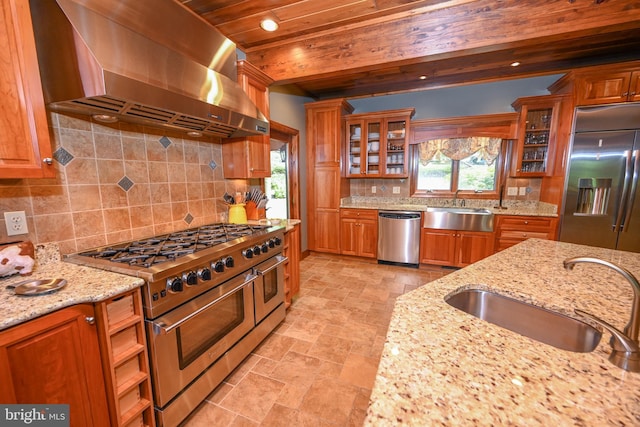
(144, 61)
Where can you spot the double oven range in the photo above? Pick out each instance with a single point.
(212, 294)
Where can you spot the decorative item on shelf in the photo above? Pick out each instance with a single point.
(17, 257)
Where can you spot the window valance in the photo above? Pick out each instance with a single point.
(460, 148)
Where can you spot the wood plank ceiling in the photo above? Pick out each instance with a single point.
(354, 48)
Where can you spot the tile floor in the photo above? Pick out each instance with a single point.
(318, 367)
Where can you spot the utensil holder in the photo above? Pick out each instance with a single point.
(237, 214)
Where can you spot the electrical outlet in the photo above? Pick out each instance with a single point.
(512, 191)
(522, 191)
(373, 189)
(396, 190)
(16, 223)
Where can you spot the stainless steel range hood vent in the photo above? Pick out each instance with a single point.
(144, 61)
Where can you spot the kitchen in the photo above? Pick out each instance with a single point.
(71, 213)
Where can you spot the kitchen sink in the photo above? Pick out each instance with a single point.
(459, 218)
(537, 323)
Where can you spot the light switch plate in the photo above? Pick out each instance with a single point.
(512, 191)
(396, 190)
(373, 189)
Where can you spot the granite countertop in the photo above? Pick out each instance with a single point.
(441, 366)
(84, 284)
(513, 207)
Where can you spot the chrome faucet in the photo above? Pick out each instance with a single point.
(455, 197)
(625, 353)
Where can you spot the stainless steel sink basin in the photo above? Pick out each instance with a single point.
(468, 219)
(537, 323)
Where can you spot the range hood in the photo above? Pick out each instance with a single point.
(144, 61)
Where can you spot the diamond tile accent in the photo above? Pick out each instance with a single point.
(125, 183)
(62, 156)
(383, 187)
(165, 141)
(213, 165)
(188, 218)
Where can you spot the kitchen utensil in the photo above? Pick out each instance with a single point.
(35, 287)
(228, 198)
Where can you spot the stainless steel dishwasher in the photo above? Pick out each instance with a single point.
(399, 238)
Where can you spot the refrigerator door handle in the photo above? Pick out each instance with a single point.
(632, 194)
(623, 196)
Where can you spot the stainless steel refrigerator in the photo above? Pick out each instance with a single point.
(601, 204)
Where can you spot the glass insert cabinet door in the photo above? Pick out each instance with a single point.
(377, 147)
(536, 138)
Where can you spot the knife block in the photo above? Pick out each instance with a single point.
(253, 212)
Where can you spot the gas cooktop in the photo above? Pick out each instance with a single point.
(159, 249)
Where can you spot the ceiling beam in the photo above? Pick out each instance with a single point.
(476, 28)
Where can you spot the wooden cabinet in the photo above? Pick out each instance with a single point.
(125, 360)
(454, 248)
(513, 229)
(325, 184)
(55, 359)
(291, 250)
(608, 87)
(376, 144)
(25, 147)
(537, 125)
(359, 232)
(250, 157)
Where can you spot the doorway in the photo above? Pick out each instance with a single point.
(282, 187)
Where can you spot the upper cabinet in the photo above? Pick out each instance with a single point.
(249, 157)
(25, 147)
(608, 87)
(376, 144)
(537, 124)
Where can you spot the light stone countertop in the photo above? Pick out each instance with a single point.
(514, 207)
(441, 366)
(84, 284)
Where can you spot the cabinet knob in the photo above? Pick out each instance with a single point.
(90, 320)
(524, 234)
(47, 161)
(625, 94)
(526, 222)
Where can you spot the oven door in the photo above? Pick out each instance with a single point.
(269, 286)
(188, 339)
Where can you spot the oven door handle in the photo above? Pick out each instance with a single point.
(282, 260)
(161, 328)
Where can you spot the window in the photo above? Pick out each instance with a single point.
(462, 164)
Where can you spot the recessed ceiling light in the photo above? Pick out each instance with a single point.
(194, 134)
(423, 77)
(104, 118)
(515, 64)
(269, 25)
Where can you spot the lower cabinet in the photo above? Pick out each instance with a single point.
(513, 229)
(359, 232)
(55, 359)
(454, 248)
(292, 251)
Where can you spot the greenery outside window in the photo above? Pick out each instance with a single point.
(444, 166)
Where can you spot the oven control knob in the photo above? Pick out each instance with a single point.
(272, 243)
(256, 250)
(218, 267)
(204, 274)
(264, 248)
(248, 253)
(278, 241)
(229, 262)
(190, 278)
(175, 284)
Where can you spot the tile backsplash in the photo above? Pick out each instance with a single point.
(118, 182)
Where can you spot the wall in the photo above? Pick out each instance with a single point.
(118, 182)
